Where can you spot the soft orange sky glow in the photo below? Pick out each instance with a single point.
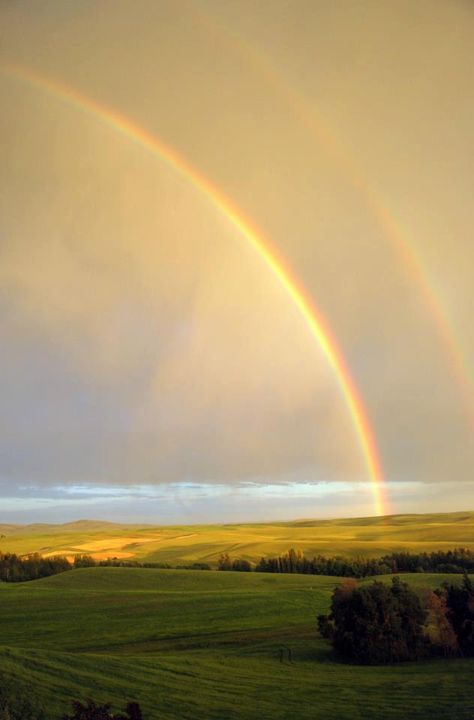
(147, 156)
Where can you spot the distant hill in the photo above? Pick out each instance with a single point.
(367, 537)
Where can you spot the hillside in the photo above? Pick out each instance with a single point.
(367, 537)
(193, 645)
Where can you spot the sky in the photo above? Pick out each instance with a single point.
(236, 259)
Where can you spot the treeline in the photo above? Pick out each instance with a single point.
(459, 560)
(14, 568)
(379, 623)
(88, 561)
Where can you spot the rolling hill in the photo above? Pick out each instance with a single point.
(365, 537)
(190, 645)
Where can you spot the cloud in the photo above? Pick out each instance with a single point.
(143, 341)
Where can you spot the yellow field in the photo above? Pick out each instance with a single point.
(367, 537)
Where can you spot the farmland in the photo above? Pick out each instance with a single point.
(191, 644)
(197, 645)
(364, 537)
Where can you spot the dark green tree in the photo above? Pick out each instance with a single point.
(460, 604)
(224, 562)
(376, 623)
(241, 566)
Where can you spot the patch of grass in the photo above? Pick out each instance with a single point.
(197, 645)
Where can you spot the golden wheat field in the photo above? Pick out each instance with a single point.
(365, 537)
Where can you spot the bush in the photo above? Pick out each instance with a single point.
(93, 711)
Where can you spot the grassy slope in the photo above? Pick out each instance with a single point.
(360, 536)
(192, 645)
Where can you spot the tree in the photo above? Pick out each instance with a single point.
(241, 566)
(439, 630)
(460, 604)
(82, 561)
(375, 623)
(224, 562)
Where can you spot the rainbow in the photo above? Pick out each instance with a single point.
(405, 249)
(311, 119)
(306, 307)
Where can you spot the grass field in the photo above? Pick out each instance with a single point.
(193, 645)
(367, 537)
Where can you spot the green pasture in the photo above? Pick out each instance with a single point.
(192, 645)
(364, 537)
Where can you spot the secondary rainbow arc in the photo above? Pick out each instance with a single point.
(307, 308)
(312, 120)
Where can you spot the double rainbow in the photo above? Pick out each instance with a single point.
(403, 244)
(306, 307)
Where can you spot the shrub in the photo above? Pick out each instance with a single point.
(92, 711)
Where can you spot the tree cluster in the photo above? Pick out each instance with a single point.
(226, 563)
(294, 561)
(459, 560)
(459, 602)
(380, 623)
(14, 568)
(88, 561)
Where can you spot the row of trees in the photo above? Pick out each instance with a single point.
(379, 623)
(294, 561)
(14, 568)
(225, 562)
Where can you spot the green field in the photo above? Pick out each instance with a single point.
(365, 537)
(205, 645)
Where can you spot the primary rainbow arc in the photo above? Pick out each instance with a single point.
(282, 273)
(405, 248)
